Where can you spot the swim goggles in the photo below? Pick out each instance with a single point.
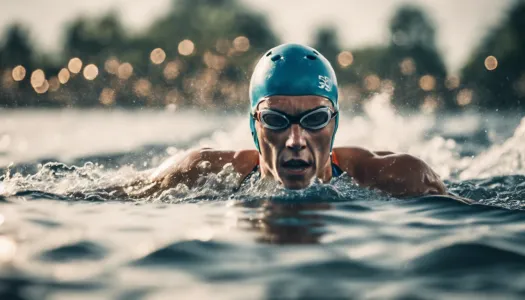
(313, 119)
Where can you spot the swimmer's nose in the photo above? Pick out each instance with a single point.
(296, 140)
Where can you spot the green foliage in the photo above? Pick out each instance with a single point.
(503, 87)
(95, 38)
(413, 43)
(17, 49)
(411, 54)
(326, 41)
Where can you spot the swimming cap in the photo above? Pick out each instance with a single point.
(292, 70)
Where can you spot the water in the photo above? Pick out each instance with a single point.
(60, 238)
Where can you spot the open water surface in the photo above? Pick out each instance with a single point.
(60, 238)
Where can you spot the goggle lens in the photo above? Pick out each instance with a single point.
(311, 120)
(316, 119)
(275, 120)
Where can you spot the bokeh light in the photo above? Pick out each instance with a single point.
(241, 44)
(345, 59)
(90, 72)
(464, 97)
(157, 56)
(63, 76)
(74, 65)
(107, 97)
(19, 73)
(37, 78)
(172, 97)
(452, 82)
(216, 62)
(111, 65)
(429, 104)
(491, 63)
(43, 88)
(372, 82)
(142, 87)
(171, 70)
(54, 84)
(427, 83)
(407, 66)
(186, 47)
(125, 71)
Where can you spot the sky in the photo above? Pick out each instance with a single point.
(460, 23)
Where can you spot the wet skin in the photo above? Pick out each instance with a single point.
(308, 149)
(400, 175)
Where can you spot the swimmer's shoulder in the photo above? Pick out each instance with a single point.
(350, 159)
(245, 161)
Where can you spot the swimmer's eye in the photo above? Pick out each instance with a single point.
(315, 119)
(274, 120)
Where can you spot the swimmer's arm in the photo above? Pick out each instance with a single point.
(201, 162)
(185, 170)
(189, 168)
(396, 174)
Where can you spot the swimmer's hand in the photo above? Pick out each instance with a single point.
(400, 175)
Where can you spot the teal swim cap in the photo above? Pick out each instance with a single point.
(292, 70)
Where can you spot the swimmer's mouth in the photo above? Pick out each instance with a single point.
(296, 164)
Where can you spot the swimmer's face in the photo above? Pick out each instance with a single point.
(295, 155)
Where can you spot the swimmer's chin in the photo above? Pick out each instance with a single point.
(296, 184)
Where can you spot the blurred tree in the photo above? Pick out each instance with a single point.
(89, 38)
(368, 60)
(412, 53)
(17, 49)
(94, 41)
(496, 70)
(226, 37)
(326, 41)
(205, 22)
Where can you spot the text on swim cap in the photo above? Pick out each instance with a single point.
(325, 83)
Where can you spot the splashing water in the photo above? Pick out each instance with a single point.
(507, 158)
(439, 142)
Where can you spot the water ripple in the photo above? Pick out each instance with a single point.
(466, 258)
(79, 251)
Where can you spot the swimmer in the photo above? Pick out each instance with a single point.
(294, 115)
